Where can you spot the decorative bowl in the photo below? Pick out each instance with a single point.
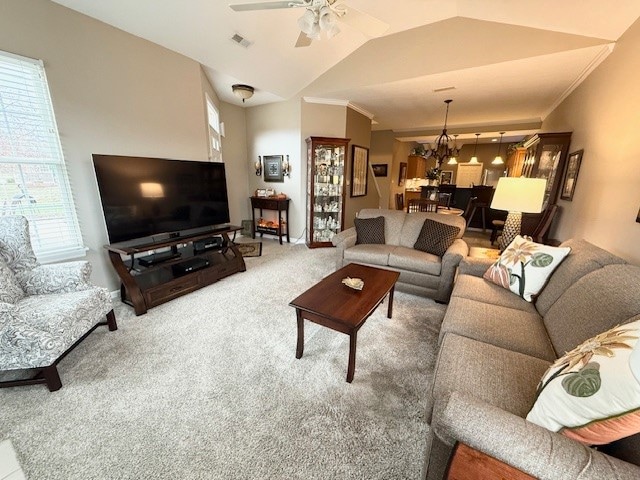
(355, 283)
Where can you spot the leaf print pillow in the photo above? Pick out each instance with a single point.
(592, 393)
(524, 267)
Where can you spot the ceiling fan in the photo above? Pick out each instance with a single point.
(321, 16)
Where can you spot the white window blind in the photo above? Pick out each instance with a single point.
(215, 148)
(33, 177)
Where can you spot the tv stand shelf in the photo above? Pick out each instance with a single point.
(146, 286)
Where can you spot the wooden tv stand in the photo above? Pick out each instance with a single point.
(145, 286)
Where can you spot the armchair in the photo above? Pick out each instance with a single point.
(45, 310)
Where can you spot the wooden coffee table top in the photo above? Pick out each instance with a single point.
(331, 299)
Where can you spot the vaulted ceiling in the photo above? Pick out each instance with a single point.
(506, 64)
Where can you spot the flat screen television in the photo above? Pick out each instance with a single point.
(155, 197)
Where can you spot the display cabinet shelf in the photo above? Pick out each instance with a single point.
(326, 166)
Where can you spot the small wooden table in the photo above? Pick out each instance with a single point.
(469, 464)
(332, 304)
(271, 203)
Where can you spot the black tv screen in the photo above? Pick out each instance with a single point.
(146, 197)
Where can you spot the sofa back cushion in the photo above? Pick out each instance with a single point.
(595, 303)
(10, 289)
(393, 220)
(414, 221)
(583, 258)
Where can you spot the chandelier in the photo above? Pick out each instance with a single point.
(443, 151)
(319, 16)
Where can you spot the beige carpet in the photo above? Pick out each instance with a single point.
(208, 387)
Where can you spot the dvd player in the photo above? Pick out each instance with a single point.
(191, 265)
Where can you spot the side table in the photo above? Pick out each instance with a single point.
(269, 203)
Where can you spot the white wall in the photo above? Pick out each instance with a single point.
(113, 93)
(603, 113)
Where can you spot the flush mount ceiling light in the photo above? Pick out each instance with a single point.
(245, 92)
(498, 160)
(474, 159)
(443, 151)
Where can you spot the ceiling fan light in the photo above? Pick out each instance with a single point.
(307, 22)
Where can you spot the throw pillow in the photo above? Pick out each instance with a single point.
(524, 267)
(436, 237)
(592, 393)
(10, 290)
(369, 230)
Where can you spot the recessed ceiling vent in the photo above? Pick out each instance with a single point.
(240, 40)
(443, 89)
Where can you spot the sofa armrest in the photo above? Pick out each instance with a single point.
(345, 239)
(524, 445)
(474, 266)
(450, 261)
(56, 278)
(24, 346)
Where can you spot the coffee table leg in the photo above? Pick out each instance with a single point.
(351, 369)
(300, 346)
(390, 307)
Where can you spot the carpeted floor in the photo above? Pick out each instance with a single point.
(208, 387)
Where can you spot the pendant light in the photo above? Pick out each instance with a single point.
(474, 159)
(452, 159)
(498, 160)
(442, 151)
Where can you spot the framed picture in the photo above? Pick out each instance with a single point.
(272, 168)
(379, 169)
(359, 170)
(571, 175)
(402, 175)
(446, 177)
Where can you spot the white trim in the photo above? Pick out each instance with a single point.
(597, 60)
(35, 61)
(341, 103)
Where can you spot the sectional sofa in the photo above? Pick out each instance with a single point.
(494, 348)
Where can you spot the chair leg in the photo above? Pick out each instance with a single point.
(52, 378)
(111, 321)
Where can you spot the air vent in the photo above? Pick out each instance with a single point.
(443, 89)
(240, 40)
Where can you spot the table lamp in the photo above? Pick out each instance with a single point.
(517, 195)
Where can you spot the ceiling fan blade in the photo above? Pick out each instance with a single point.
(370, 26)
(244, 7)
(303, 40)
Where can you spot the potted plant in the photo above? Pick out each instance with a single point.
(433, 174)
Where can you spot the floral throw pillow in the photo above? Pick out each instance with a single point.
(524, 267)
(592, 393)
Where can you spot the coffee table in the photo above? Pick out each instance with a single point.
(332, 304)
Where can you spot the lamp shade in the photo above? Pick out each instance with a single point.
(519, 194)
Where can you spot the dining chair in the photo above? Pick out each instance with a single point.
(422, 205)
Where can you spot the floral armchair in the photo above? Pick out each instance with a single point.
(45, 310)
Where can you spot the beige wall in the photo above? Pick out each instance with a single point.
(358, 129)
(274, 129)
(235, 156)
(603, 115)
(113, 93)
(382, 152)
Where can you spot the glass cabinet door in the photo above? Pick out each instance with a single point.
(325, 189)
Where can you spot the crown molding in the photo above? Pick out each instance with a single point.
(341, 103)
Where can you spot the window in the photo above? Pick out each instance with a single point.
(213, 119)
(33, 177)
